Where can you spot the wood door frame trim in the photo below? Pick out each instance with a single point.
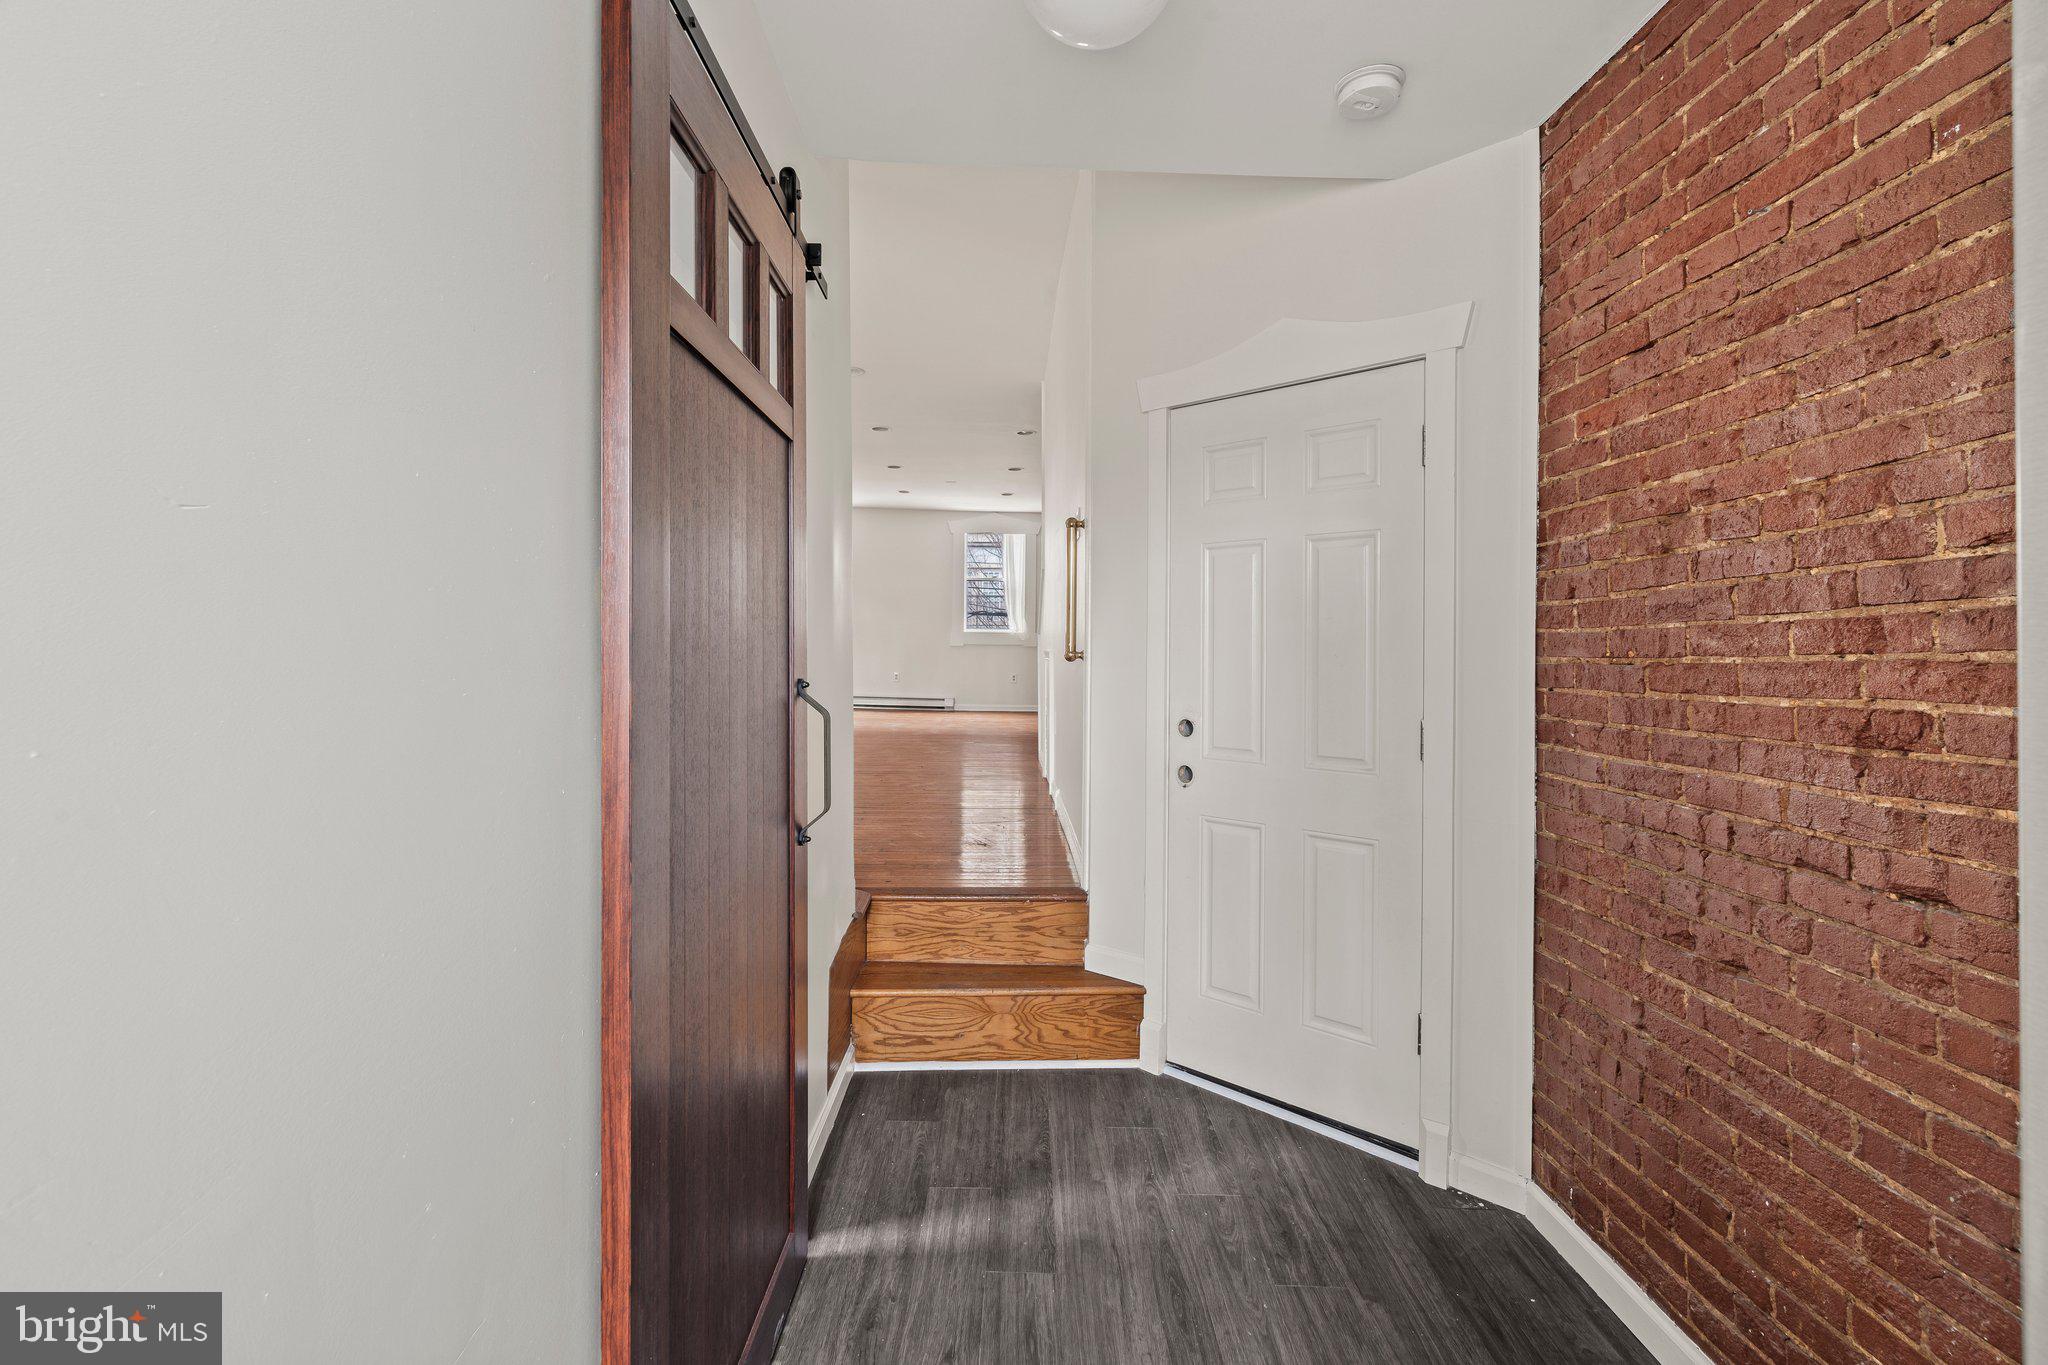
(623, 404)
(639, 40)
(1288, 353)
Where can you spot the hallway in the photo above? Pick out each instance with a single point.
(699, 679)
(1114, 1216)
(952, 801)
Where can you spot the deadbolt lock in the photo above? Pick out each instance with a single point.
(1186, 728)
(1185, 774)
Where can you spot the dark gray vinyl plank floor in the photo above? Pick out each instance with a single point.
(1111, 1217)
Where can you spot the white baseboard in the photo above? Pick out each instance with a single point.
(1494, 1183)
(1111, 962)
(1075, 853)
(1120, 1064)
(1662, 1337)
(994, 706)
(828, 1117)
(1434, 1163)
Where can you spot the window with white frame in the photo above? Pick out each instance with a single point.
(993, 586)
(986, 590)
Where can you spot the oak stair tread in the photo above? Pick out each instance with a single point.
(980, 978)
(978, 893)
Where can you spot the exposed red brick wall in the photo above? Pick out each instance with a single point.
(1776, 1010)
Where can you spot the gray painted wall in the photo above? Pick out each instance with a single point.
(298, 881)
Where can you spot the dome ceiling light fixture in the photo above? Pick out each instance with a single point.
(1092, 25)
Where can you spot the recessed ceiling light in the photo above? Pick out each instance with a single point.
(1016, 469)
(878, 428)
(895, 466)
(1009, 495)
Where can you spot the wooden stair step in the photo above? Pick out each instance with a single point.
(963, 1012)
(975, 978)
(959, 891)
(983, 929)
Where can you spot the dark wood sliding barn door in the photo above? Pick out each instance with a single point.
(704, 1188)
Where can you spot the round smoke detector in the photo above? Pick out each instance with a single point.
(1370, 91)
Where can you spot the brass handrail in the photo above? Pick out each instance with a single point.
(1075, 525)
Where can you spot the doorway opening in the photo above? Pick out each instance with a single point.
(967, 846)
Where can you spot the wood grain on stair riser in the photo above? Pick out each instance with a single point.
(846, 968)
(1050, 932)
(1077, 1026)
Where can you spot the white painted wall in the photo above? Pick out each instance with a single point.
(2030, 230)
(906, 599)
(736, 36)
(298, 701)
(1186, 267)
(298, 668)
(1063, 437)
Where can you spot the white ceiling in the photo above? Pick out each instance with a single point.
(956, 269)
(1238, 87)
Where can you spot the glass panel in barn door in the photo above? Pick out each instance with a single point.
(739, 274)
(685, 220)
(775, 362)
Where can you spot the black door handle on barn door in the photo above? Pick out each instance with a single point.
(804, 828)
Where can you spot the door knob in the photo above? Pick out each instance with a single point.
(1186, 727)
(1185, 774)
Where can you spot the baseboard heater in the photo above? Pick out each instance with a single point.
(861, 703)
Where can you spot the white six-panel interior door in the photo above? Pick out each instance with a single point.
(1294, 687)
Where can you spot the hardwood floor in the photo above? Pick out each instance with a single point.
(976, 930)
(952, 801)
(1114, 1216)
